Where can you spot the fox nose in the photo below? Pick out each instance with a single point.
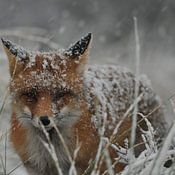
(45, 120)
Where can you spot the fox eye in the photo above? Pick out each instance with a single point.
(29, 96)
(61, 94)
(63, 97)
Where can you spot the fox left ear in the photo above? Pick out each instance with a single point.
(79, 48)
(17, 56)
(79, 51)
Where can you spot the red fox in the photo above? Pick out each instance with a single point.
(59, 88)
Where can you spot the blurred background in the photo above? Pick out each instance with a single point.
(54, 24)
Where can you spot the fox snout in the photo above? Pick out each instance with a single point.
(45, 120)
(36, 107)
(27, 118)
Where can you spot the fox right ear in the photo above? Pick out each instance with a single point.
(79, 52)
(17, 56)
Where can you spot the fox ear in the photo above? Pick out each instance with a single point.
(79, 48)
(79, 51)
(17, 56)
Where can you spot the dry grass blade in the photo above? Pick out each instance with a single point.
(49, 146)
(14, 169)
(125, 115)
(100, 150)
(18, 166)
(5, 153)
(108, 162)
(2, 163)
(4, 100)
(72, 170)
(146, 116)
(7, 91)
(113, 165)
(155, 170)
(3, 159)
(134, 117)
(65, 147)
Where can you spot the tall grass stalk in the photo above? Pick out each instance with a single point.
(51, 149)
(134, 117)
(162, 154)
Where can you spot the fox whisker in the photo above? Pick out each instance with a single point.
(24, 116)
(62, 116)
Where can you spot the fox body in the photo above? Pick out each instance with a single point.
(57, 89)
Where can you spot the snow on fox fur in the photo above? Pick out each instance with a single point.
(58, 91)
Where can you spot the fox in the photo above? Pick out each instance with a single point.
(59, 91)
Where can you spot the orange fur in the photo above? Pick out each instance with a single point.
(18, 137)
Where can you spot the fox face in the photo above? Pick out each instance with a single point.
(46, 88)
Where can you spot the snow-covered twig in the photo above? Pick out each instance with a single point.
(51, 149)
(155, 170)
(134, 117)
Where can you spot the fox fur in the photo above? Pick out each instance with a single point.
(78, 98)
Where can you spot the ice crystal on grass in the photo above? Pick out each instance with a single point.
(142, 164)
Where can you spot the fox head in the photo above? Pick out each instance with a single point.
(47, 86)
